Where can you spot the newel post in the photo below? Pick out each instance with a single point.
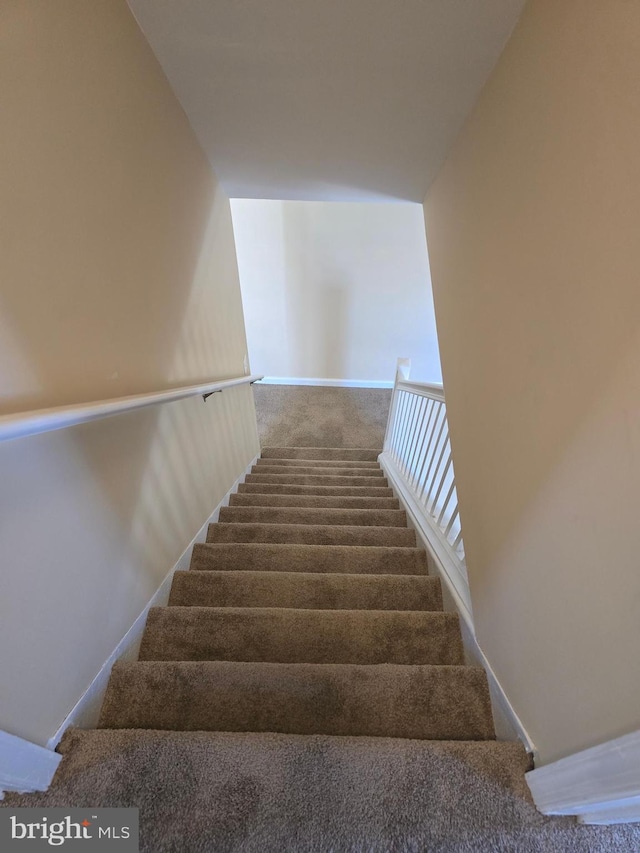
(403, 369)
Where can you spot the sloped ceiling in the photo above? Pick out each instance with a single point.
(327, 99)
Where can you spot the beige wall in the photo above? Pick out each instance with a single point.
(336, 290)
(532, 228)
(118, 275)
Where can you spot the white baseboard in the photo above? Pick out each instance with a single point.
(622, 811)
(25, 767)
(457, 599)
(332, 383)
(86, 711)
(507, 723)
(601, 785)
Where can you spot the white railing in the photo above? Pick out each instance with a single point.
(417, 457)
(46, 420)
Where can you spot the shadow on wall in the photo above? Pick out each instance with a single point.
(115, 502)
(193, 345)
(118, 277)
(95, 517)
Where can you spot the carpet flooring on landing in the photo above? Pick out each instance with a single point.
(221, 792)
(320, 416)
(305, 691)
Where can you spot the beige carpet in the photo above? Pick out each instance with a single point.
(314, 416)
(223, 792)
(305, 691)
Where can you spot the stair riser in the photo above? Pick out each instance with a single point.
(316, 480)
(418, 702)
(303, 515)
(330, 491)
(302, 636)
(301, 471)
(319, 463)
(309, 611)
(337, 453)
(312, 534)
(305, 590)
(308, 558)
(318, 501)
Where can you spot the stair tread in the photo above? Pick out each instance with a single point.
(308, 611)
(318, 534)
(293, 635)
(298, 489)
(365, 455)
(319, 463)
(267, 556)
(436, 702)
(314, 515)
(344, 470)
(260, 792)
(306, 590)
(316, 479)
(324, 501)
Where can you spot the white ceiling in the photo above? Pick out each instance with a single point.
(327, 99)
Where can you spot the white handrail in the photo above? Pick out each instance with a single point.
(22, 424)
(423, 389)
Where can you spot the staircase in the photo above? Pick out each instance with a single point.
(305, 691)
(308, 611)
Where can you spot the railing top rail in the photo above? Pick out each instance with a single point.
(22, 424)
(424, 389)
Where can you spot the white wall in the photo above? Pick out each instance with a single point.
(335, 291)
(118, 277)
(533, 236)
(333, 100)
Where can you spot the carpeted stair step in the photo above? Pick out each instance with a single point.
(318, 463)
(266, 792)
(315, 480)
(337, 453)
(312, 534)
(431, 702)
(302, 471)
(261, 792)
(330, 491)
(326, 686)
(266, 557)
(313, 515)
(288, 635)
(305, 590)
(319, 501)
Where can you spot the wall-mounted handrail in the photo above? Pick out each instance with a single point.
(21, 424)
